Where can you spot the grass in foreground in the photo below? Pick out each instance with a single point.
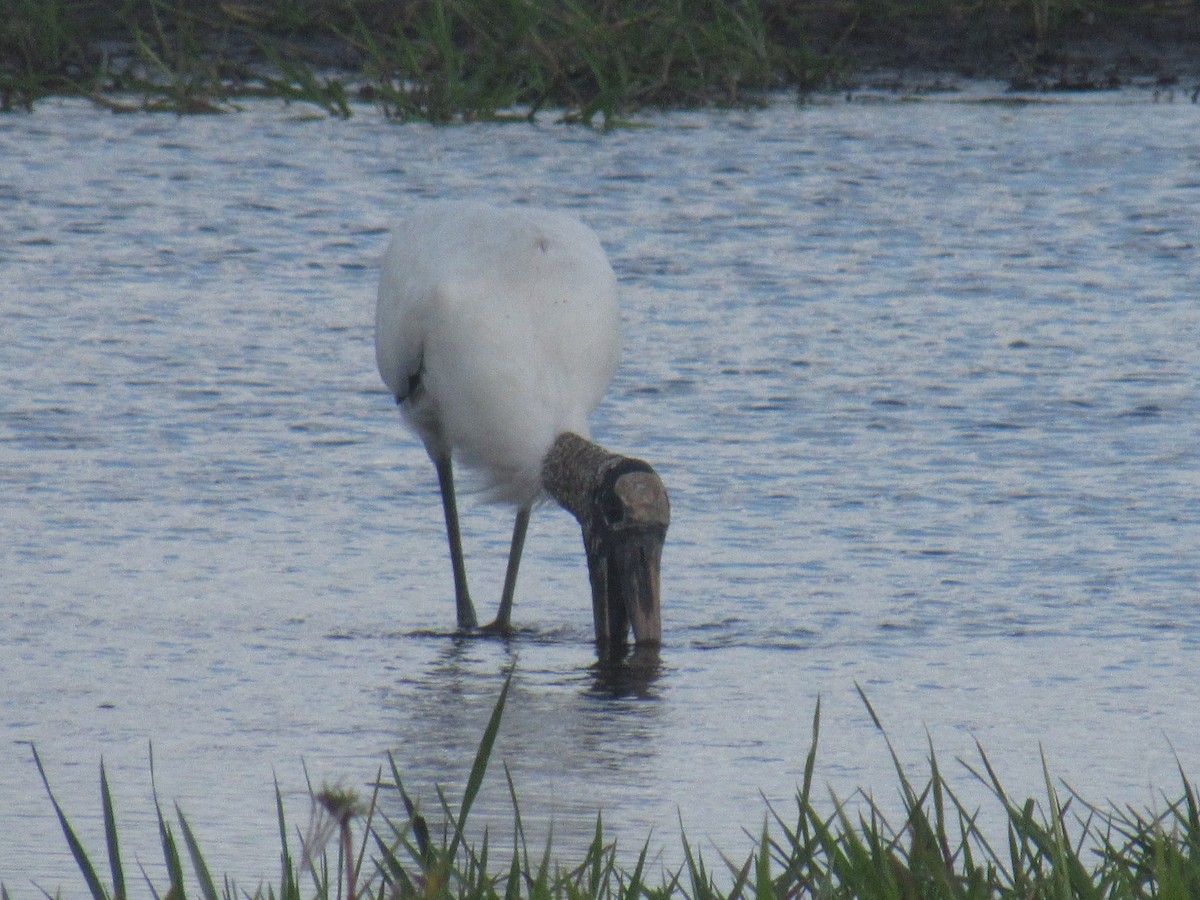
(1058, 847)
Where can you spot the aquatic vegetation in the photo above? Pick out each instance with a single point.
(1059, 846)
(436, 60)
(463, 60)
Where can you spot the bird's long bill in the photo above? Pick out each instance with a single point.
(625, 588)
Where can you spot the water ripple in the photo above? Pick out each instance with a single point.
(921, 379)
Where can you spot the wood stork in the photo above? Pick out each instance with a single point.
(497, 331)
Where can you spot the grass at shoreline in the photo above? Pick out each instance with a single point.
(463, 60)
(1057, 847)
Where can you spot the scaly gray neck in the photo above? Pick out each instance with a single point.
(574, 469)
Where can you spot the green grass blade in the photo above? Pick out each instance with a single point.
(701, 881)
(368, 824)
(764, 886)
(420, 829)
(512, 886)
(870, 709)
(167, 838)
(207, 887)
(81, 858)
(479, 767)
(540, 884)
(594, 859)
(110, 836)
(520, 842)
(741, 876)
(289, 888)
(635, 887)
(810, 762)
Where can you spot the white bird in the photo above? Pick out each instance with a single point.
(498, 332)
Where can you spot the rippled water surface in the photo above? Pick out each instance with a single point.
(922, 379)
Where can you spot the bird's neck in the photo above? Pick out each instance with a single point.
(575, 469)
(572, 470)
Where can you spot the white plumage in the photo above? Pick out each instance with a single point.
(498, 332)
(511, 319)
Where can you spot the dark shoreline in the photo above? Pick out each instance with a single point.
(464, 60)
(1082, 63)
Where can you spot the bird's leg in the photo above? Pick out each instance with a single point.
(503, 624)
(462, 597)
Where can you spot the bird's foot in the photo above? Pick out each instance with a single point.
(498, 628)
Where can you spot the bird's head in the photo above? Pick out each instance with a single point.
(623, 509)
(624, 536)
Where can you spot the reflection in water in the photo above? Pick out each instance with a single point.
(573, 736)
(633, 675)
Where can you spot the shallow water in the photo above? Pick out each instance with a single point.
(921, 378)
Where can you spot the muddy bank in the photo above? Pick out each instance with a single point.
(1156, 46)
